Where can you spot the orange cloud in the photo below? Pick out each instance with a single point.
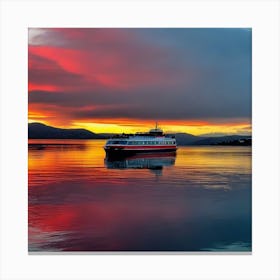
(122, 80)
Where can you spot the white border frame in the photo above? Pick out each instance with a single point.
(262, 16)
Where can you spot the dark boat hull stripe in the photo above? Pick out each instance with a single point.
(132, 152)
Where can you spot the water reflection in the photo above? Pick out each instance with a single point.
(56, 146)
(196, 200)
(155, 162)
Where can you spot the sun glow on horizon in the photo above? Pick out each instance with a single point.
(192, 128)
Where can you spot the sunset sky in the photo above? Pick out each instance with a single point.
(123, 80)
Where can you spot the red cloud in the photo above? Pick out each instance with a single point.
(108, 57)
(129, 74)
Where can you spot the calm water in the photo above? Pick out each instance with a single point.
(196, 200)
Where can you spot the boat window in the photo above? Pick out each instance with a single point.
(117, 142)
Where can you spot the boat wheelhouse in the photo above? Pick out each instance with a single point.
(153, 141)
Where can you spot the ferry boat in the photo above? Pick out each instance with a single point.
(153, 141)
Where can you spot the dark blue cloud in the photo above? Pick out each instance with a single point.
(201, 73)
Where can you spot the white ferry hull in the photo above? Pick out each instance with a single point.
(151, 142)
(135, 150)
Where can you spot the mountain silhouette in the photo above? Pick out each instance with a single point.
(42, 131)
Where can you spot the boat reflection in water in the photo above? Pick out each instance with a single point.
(152, 161)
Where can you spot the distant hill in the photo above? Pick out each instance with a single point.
(240, 142)
(221, 140)
(183, 139)
(105, 135)
(42, 131)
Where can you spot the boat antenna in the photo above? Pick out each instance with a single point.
(156, 125)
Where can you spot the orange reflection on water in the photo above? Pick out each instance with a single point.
(60, 160)
(216, 157)
(81, 201)
(53, 161)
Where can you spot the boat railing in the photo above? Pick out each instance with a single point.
(140, 134)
